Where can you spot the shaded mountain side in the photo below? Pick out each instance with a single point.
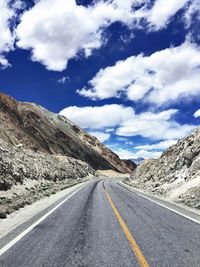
(36, 128)
(176, 174)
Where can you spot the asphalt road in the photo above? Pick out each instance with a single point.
(105, 224)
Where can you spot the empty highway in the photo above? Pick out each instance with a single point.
(105, 224)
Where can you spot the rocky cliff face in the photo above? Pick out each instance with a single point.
(35, 128)
(176, 174)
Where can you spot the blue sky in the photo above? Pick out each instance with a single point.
(126, 71)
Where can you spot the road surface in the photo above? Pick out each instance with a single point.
(105, 224)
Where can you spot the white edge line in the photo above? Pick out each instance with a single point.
(162, 205)
(25, 232)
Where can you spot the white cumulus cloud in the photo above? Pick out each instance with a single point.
(56, 31)
(156, 126)
(63, 79)
(165, 76)
(6, 36)
(157, 146)
(192, 10)
(98, 117)
(100, 135)
(197, 113)
(162, 11)
(127, 154)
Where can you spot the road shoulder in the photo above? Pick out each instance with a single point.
(184, 211)
(16, 222)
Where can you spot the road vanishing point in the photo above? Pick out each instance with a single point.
(104, 223)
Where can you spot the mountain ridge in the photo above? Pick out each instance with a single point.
(38, 129)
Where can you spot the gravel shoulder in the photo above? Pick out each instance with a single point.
(24, 214)
(169, 200)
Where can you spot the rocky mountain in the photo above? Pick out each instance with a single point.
(27, 176)
(137, 160)
(19, 165)
(176, 174)
(33, 127)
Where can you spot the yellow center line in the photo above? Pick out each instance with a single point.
(138, 253)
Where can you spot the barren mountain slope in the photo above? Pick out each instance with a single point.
(176, 174)
(36, 128)
(26, 176)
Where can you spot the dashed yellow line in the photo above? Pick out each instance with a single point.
(138, 253)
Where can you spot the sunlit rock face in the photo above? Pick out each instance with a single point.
(176, 174)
